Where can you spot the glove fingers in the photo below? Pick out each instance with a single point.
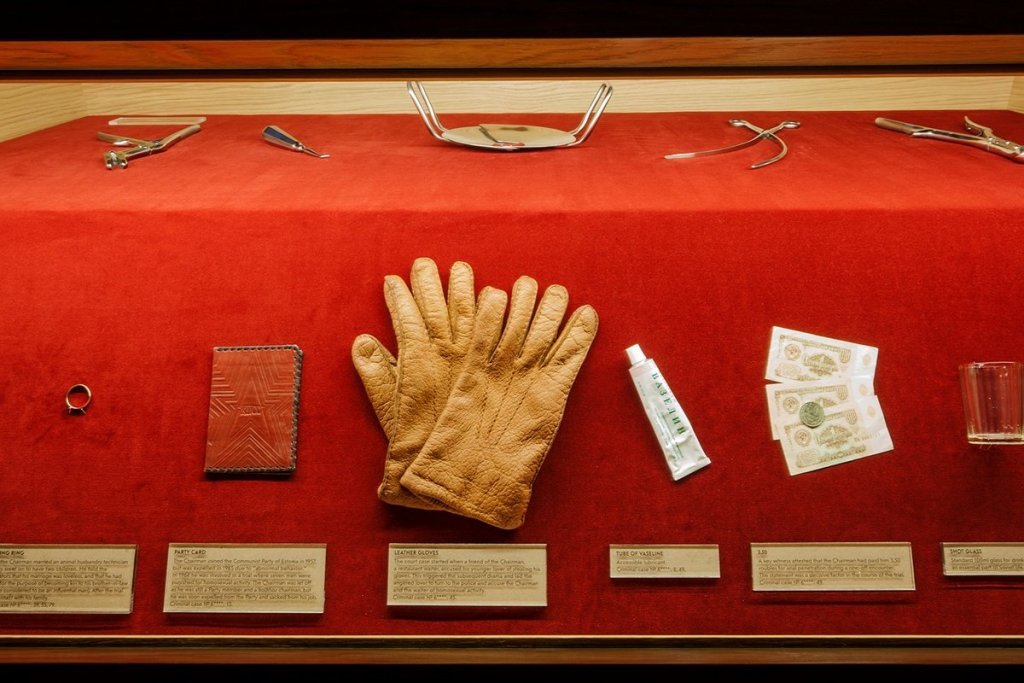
(524, 297)
(429, 296)
(570, 349)
(546, 322)
(461, 301)
(405, 314)
(377, 368)
(490, 314)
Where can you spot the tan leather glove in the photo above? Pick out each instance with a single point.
(505, 407)
(409, 393)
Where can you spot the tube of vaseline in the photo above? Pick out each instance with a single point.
(675, 434)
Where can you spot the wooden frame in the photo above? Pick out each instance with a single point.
(700, 650)
(472, 54)
(46, 83)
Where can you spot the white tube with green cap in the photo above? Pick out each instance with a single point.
(679, 444)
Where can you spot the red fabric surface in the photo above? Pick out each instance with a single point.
(125, 280)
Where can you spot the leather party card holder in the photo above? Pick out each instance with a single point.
(254, 409)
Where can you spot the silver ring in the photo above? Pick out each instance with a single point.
(78, 407)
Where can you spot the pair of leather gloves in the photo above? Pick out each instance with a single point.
(473, 400)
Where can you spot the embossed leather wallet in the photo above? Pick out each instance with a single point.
(254, 409)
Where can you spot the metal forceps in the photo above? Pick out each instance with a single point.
(977, 136)
(762, 134)
(138, 147)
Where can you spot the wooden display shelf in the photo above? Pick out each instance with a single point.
(43, 83)
(692, 650)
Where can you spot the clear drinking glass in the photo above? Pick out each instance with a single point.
(993, 394)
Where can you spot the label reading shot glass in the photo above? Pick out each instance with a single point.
(983, 559)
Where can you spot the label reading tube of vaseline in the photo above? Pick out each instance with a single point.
(664, 562)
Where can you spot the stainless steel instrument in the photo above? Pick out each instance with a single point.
(276, 136)
(138, 147)
(978, 136)
(509, 137)
(762, 134)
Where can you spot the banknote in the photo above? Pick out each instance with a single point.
(849, 431)
(803, 357)
(786, 398)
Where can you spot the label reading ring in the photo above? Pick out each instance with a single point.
(78, 399)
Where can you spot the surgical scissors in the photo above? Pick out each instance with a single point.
(762, 134)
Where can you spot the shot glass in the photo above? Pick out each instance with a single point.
(993, 394)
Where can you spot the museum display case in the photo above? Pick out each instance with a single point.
(876, 260)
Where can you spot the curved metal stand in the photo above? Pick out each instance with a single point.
(509, 137)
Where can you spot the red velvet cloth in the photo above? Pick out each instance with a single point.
(125, 280)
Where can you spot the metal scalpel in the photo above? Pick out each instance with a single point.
(138, 147)
(276, 136)
(762, 134)
(978, 136)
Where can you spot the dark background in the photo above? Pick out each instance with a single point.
(324, 19)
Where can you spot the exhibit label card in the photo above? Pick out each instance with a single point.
(260, 578)
(664, 562)
(983, 559)
(96, 579)
(832, 567)
(468, 575)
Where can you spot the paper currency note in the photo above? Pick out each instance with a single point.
(850, 431)
(785, 399)
(803, 357)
